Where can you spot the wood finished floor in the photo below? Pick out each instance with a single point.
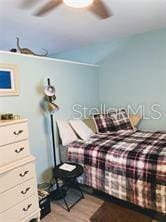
(81, 212)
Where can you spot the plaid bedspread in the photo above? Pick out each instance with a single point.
(128, 165)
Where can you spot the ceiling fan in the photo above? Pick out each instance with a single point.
(95, 6)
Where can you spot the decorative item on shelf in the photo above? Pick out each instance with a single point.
(9, 116)
(29, 51)
(13, 50)
(8, 80)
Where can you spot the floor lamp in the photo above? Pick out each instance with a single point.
(52, 107)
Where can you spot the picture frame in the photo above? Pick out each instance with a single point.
(9, 80)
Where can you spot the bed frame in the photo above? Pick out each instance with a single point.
(106, 197)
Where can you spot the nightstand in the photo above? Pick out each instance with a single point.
(69, 179)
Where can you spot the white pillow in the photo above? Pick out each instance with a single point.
(83, 131)
(67, 134)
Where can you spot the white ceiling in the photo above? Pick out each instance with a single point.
(67, 29)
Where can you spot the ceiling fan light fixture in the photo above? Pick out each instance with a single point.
(78, 3)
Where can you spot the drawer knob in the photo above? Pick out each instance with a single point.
(25, 173)
(27, 208)
(25, 191)
(19, 150)
(18, 132)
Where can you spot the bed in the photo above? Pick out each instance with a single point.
(125, 164)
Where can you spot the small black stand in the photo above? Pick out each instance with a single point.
(69, 179)
(55, 194)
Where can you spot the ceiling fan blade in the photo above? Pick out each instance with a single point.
(48, 7)
(100, 9)
(28, 3)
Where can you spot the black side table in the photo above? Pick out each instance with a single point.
(69, 179)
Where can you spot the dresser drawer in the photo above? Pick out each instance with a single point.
(20, 211)
(17, 194)
(13, 133)
(17, 176)
(13, 152)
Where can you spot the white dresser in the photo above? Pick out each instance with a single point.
(18, 187)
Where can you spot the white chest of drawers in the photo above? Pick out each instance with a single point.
(18, 187)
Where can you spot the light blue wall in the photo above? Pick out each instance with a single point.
(136, 75)
(92, 54)
(75, 83)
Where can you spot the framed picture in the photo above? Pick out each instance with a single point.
(8, 80)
